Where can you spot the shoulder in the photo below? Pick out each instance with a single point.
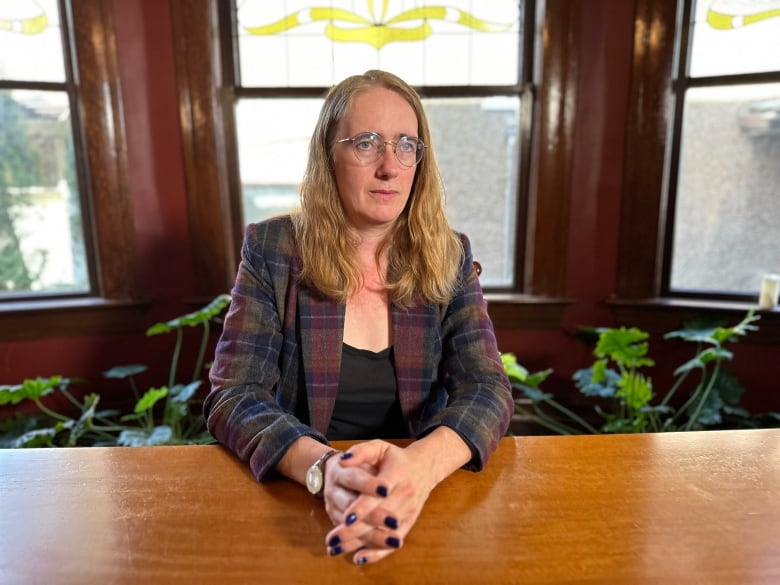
(271, 243)
(276, 229)
(271, 235)
(467, 257)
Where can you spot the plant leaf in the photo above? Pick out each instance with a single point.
(596, 380)
(31, 389)
(177, 406)
(183, 393)
(38, 437)
(150, 398)
(624, 346)
(704, 357)
(84, 423)
(636, 390)
(140, 438)
(533, 394)
(514, 371)
(728, 387)
(214, 308)
(535, 380)
(124, 371)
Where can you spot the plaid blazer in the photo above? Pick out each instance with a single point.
(276, 369)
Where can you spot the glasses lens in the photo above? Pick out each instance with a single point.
(368, 146)
(409, 151)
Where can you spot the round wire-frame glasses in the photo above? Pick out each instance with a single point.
(370, 146)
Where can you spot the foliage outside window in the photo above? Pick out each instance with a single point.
(42, 240)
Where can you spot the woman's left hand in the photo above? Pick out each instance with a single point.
(390, 485)
(383, 511)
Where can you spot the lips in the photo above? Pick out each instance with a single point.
(383, 192)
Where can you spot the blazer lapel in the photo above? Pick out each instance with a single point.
(322, 331)
(412, 368)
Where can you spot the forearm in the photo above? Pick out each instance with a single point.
(299, 457)
(442, 452)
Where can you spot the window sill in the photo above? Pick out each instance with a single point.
(516, 311)
(662, 314)
(24, 321)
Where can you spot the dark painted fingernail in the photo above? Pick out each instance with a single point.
(337, 550)
(346, 455)
(381, 490)
(393, 541)
(334, 541)
(351, 519)
(391, 522)
(361, 561)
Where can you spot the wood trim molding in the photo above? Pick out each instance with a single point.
(548, 206)
(649, 116)
(71, 318)
(94, 39)
(198, 79)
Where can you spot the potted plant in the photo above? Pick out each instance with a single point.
(165, 415)
(704, 394)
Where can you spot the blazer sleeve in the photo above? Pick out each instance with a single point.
(480, 404)
(249, 410)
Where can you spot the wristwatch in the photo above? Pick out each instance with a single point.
(315, 476)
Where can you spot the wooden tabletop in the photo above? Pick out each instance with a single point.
(675, 508)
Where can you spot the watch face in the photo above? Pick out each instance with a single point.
(314, 479)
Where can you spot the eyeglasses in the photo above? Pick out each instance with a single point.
(370, 146)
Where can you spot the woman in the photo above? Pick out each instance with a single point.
(361, 317)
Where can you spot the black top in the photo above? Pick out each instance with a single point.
(367, 405)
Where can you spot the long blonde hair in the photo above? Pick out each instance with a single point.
(423, 252)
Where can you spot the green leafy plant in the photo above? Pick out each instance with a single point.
(165, 415)
(624, 393)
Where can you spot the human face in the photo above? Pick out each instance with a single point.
(374, 195)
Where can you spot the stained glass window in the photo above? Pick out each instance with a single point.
(735, 36)
(427, 43)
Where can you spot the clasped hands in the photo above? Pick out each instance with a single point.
(373, 494)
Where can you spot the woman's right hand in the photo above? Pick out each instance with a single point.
(344, 485)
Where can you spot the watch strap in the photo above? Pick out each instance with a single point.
(320, 464)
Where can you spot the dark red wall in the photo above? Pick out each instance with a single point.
(145, 50)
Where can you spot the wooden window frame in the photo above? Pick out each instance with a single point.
(539, 303)
(642, 296)
(118, 303)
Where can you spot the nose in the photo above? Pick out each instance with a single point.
(388, 162)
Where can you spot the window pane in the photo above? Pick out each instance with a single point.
(273, 142)
(426, 43)
(735, 36)
(41, 235)
(476, 147)
(477, 150)
(30, 41)
(728, 200)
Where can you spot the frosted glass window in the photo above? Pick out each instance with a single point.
(31, 41)
(273, 140)
(728, 191)
(476, 145)
(426, 43)
(734, 37)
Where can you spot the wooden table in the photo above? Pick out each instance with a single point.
(671, 508)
